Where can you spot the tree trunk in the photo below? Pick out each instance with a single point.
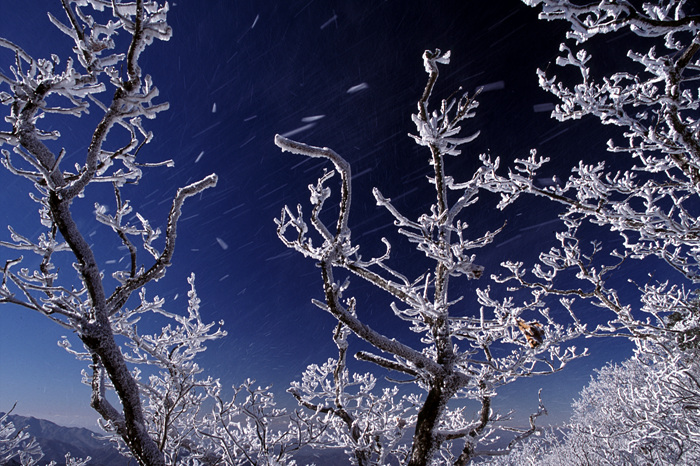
(425, 442)
(98, 337)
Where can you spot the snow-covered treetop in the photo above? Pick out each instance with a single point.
(652, 20)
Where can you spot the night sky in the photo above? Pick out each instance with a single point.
(336, 73)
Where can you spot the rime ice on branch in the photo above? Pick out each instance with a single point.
(457, 361)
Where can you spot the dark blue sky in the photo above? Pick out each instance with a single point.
(236, 73)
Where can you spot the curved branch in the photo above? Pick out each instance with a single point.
(340, 164)
(122, 293)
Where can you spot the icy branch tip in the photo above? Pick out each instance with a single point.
(311, 151)
(295, 147)
(210, 180)
(206, 182)
(431, 59)
(283, 143)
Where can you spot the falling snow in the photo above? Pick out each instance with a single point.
(310, 119)
(358, 88)
(299, 130)
(494, 86)
(333, 19)
(547, 107)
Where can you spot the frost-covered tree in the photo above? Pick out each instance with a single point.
(110, 82)
(643, 411)
(162, 394)
(649, 198)
(466, 353)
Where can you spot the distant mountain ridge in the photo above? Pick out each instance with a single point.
(56, 441)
